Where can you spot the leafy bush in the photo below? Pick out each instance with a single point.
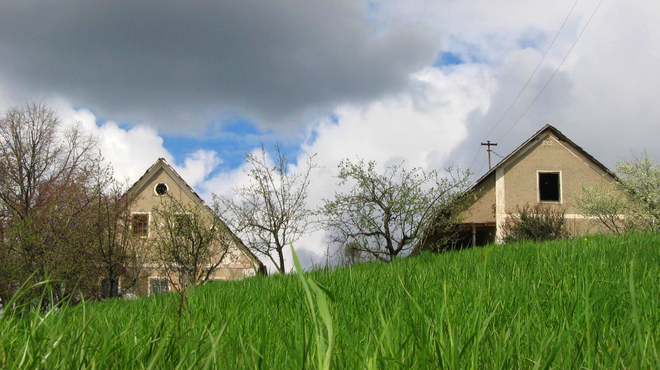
(632, 204)
(537, 223)
(385, 215)
(607, 206)
(640, 180)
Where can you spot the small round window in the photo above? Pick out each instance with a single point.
(161, 189)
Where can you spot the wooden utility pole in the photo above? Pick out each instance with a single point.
(489, 144)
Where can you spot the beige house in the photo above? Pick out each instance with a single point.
(147, 193)
(547, 169)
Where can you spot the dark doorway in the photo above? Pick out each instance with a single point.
(465, 236)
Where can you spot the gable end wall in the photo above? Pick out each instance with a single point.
(549, 154)
(238, 265)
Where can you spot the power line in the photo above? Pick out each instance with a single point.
(494, 152)
(535, 70)
(476, 155)
(482, 166)
(554, 73)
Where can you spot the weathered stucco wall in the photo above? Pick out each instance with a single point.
(548, 154)
(147, 199)
(515, 183)
(143, 286)
(482, 207)
(236, 264)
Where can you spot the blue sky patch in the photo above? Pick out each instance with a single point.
(231, 142)
(446, 58)
(533, 39)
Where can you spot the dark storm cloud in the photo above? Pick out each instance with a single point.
(165, 62)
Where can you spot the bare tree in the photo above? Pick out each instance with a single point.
(190, 243)
(44, 173)
(351, 254)
(113, 251)
(271, 210)
(38, 155)
(387, 214)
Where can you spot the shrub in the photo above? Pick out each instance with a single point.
(537, 223)
(633, 202)
(608, 207)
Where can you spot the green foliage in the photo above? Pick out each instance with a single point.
(608, 206)
(320, 313)
(387, 214)
(536, 223)
(565, 304)
(633, 204)
(640, 180)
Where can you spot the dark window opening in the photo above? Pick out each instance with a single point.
(549, 187)
(109, 287)
(161, 189)
(462, 237)
(141, 224)
(159, 285)
(183, 225)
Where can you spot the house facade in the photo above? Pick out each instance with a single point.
(146, 195)
(547, 169)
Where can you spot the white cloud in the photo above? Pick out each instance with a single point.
(609, 81)
(130, 151)
(133, 150)
(421, 125)
(617, 82)
(198, 165)
(603, 97)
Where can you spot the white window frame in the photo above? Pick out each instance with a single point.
(184, 213)
(167, 187)
(538, 187)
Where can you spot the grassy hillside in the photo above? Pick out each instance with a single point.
(567, 304)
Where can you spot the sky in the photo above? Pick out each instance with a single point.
(203, 83)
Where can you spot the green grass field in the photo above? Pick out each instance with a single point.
(568, 304)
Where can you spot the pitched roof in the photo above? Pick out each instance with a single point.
(162, 163)
(519, 149)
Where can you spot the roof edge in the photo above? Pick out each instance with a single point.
(556, 132)
(259, 266)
